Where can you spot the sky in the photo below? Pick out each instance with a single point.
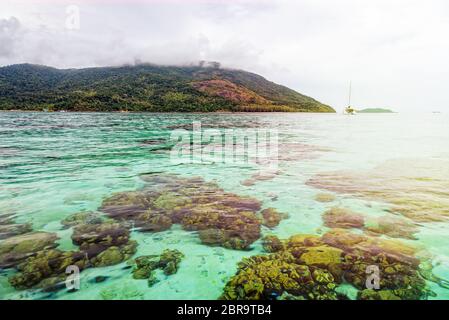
(395, 52)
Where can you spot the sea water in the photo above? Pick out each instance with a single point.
(53, 165)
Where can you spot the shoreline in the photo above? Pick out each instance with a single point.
(165, 112)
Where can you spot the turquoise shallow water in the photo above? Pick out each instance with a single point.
(53, 165)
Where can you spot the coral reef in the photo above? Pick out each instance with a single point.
(95, 238)
(415, 189)
(325, 197)
(392, 227)
(145, 266)
(272, 244)
(105, 243)
(115, 255)
(312, 267)
(221, 218)
(342, 218)
(41, 266)
(46, 270)
(269, 277)
(85, 217)
(272, 218)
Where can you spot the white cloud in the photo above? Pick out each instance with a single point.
(394, 51)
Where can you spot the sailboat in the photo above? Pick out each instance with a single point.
(350, 110)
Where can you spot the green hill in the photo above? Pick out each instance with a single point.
(375, 110)
(146, 88)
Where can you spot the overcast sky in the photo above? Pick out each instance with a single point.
(395, 52)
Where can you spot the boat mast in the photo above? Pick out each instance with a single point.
(350, 91)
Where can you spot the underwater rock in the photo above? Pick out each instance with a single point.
(145, 266)
(153, 221)
(99, 279)
(11, 230)
(343, 218)
(95, 238)
(41, 266)
(272, 218)
(109, 257)
(85, 217)
(8, 228)
(311, 267)
(126, 205)
(223, 226)
(18, 248)
(325, 197)
(6, 218)
(46, 269)
(105, 244)
(224, 238)
(221, 218)
(169, 261)
(171, 201)
(153, 142)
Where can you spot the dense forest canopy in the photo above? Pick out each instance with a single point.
(146, 87)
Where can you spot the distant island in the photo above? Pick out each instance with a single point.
(375, 110)
(205, 87)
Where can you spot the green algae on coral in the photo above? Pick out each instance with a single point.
(145, 266)
(270, 276)
(312, 267)
(115, 255)
(46, 269)
(43, 267)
